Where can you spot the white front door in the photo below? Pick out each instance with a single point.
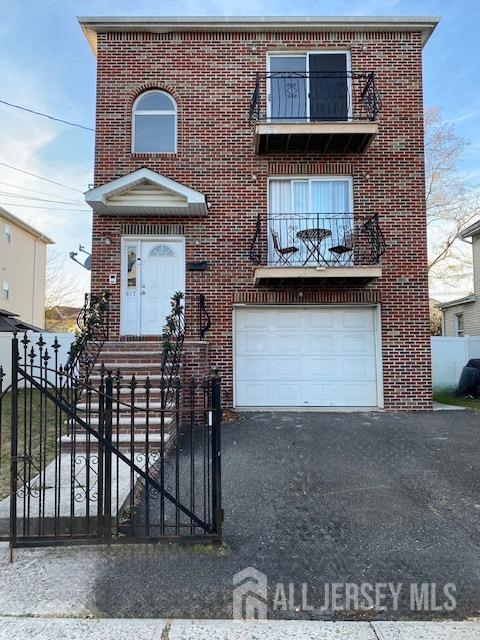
(152, 271)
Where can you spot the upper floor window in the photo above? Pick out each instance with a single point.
(8, 234)
(5, 290)
(154, 127)
(309, 87)
(459, 325)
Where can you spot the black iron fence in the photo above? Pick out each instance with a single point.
(314, 97)
(317, 239)
(131, 459)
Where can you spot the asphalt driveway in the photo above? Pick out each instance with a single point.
(328, 498)
(309, 498)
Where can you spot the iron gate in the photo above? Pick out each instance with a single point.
(118, 461)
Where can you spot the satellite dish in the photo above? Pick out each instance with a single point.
(88, 260)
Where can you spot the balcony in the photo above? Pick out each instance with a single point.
(329, 248)
(327, 112)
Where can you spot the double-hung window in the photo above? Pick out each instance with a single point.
(321, 206)
(8, 233)
(309, 87)
(5, 290)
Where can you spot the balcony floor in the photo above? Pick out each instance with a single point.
(324, 137)
(335, 276)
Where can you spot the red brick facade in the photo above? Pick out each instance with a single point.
(211, 76)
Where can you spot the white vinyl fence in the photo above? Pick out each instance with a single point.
(65, 340)
(449, 356)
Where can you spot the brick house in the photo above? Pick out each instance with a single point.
(275, 167)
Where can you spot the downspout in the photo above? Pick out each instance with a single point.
(34, 279)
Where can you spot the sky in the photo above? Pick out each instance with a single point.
(47, 65)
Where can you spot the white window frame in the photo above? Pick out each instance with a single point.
(5, 290)
(156, 112)
(306, 55)
(8, 233)
(459, 332)
(311, 179)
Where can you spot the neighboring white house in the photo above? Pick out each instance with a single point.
(461, 317)
(22, 269)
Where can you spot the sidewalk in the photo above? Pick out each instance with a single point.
(123, 629)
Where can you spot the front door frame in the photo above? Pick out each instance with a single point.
(123, 258)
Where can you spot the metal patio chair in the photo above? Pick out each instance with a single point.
(284, 253)
(344, 249)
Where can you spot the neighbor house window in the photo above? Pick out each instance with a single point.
(5, 290)
(459, 325)
(8, 234)
(154, 127)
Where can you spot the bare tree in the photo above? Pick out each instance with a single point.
(61, 288)
(451, 202)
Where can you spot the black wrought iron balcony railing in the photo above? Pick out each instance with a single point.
(305, 97)
(317, 240)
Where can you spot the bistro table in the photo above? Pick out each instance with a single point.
(312, 239)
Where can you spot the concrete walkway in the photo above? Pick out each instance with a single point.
(120, 629)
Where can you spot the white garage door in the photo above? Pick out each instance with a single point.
(305, 356)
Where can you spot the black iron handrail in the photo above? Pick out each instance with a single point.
(317, 239)
(173, 338)
(279, 96)
(204, 319)
(92, 332)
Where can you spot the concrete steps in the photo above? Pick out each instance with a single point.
(142, 359)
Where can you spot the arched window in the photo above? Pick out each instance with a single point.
(154, 127)
(162, 251)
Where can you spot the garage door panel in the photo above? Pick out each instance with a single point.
(323, 368)
(320, 342)
(360, 368)
(325, 318)
(250, 367)
(287, 320)
(359, 394)
(360, 343)
(251, 320)
(306, 356)
(284, 342)
(255, 393)
(252, 342)
(269, 368)
(321, 394)
(285, 368)
(356, 319)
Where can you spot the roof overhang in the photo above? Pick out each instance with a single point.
(124, 196)
(458, 302)
(249, 24)
(38, 235)
(10, 322)
(470, 231)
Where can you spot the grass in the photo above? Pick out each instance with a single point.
(47, 411)
(447, 397)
